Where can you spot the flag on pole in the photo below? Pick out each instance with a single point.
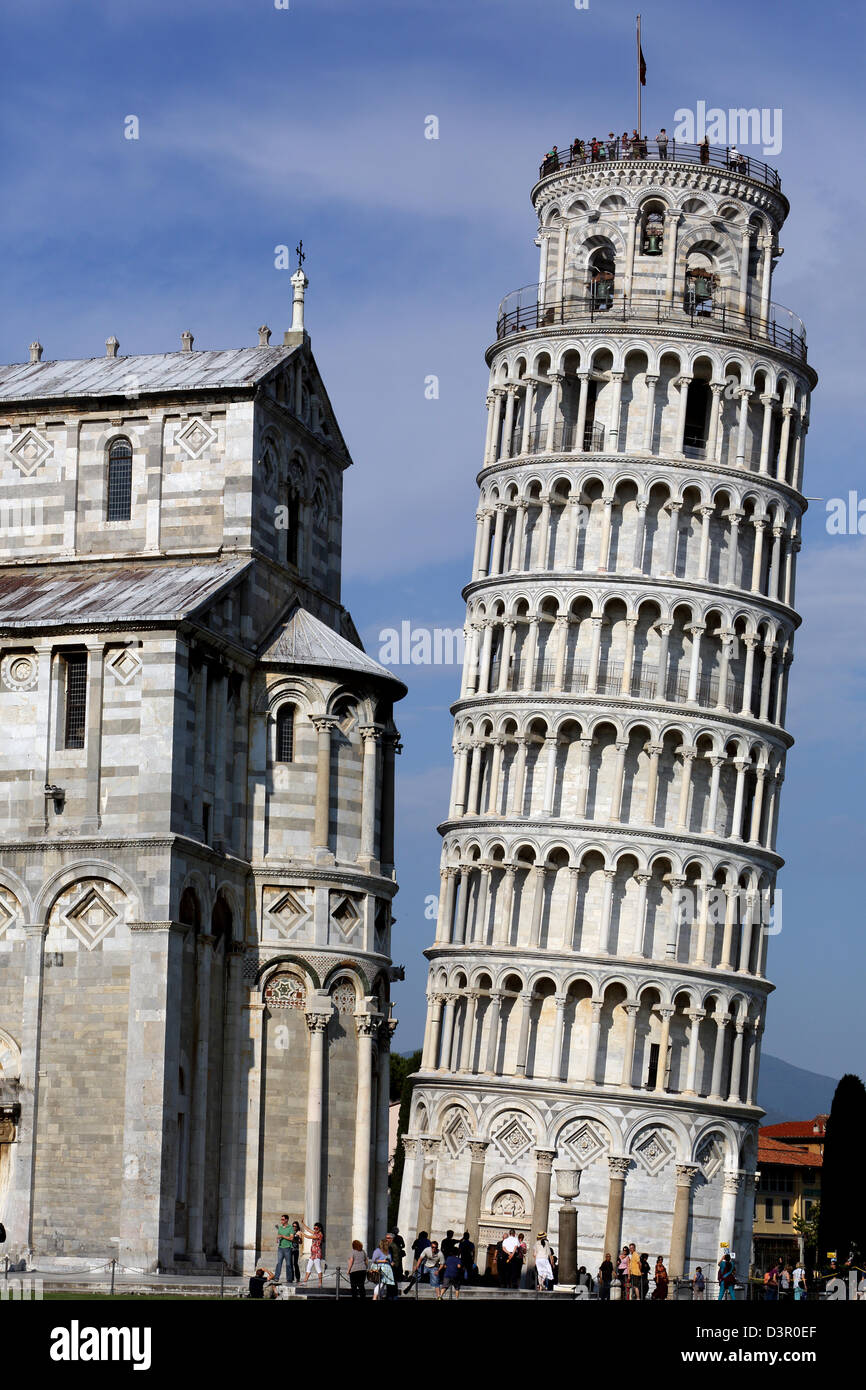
(642, 67)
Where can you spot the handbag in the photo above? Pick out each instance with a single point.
(374, 1275)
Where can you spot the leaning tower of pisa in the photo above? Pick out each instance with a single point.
(597, 983)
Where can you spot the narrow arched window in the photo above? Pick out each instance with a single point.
(285, 733)
(119, 481)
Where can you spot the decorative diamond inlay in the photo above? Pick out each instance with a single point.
(30, 451)
(514, 1137)
(653, 1151)
(8, 910)
(91, 917)
(195, 437)
(456, 1132)
(288, 912)
(125, 666)
(345, 915)
(584, 1143)
(711, 1155)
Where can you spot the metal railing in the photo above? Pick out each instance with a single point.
(526, 309)
(564, 439)
(645, 684)
(673, 151)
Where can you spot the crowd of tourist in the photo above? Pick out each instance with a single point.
(447, 1266)
(634, 146)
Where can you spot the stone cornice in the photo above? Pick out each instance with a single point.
(576, 1094)
(654, 464)
(637, 329)
(552, 828)
(576, 579)
(295, 875)
(547, 959)
(682, 713)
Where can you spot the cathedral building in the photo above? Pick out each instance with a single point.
(196, 814)
(598, 983)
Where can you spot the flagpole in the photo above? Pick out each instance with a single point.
(640, 125)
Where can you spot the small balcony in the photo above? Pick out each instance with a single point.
(582, 154)
(524, 310)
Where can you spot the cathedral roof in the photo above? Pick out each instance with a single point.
(115, 594)
(131, 376)
(302, 640)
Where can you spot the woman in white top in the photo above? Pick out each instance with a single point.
(543, 1267)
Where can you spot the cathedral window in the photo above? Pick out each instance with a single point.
(285, 734)
(119, 481)
(75, 699)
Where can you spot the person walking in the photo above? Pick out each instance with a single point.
(543, 1267)
(398, 1254)
(316, 1259)
(662, 143)
(727, 1278)
(357, 1270)
(605, 1278)
(699, 1285)
(660, 1291)
(451, 1274)
(771, 1285)
(786, 1284)
(799, 1281)
(510, 1248)
(427, 1266)
(466, 1251)
(380, 1263)
(285, 1233)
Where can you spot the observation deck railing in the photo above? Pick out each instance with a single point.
(526, 309)
(726, 157)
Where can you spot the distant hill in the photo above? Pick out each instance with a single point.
(790, 1093)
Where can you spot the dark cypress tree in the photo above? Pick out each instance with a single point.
(842, 1221)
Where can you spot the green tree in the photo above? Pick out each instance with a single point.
(807, 1227)
(842, 1224)
(402, 1082)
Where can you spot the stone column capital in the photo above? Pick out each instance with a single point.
(618, 1165)
(317, 1022)
(323, 723)
(733, 1183)
(410, 1146)
(430, 1146)
(477, 1149)
(686, 1174)
(544, 1160)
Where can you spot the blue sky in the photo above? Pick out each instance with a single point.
(260, 125)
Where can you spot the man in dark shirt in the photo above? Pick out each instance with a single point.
(466, 1251)
(258, 1281)
(605, 1277)
(449, 1245)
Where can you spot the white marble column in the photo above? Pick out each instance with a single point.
(317, 1023)
(195, 1188)
(367, 1027)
